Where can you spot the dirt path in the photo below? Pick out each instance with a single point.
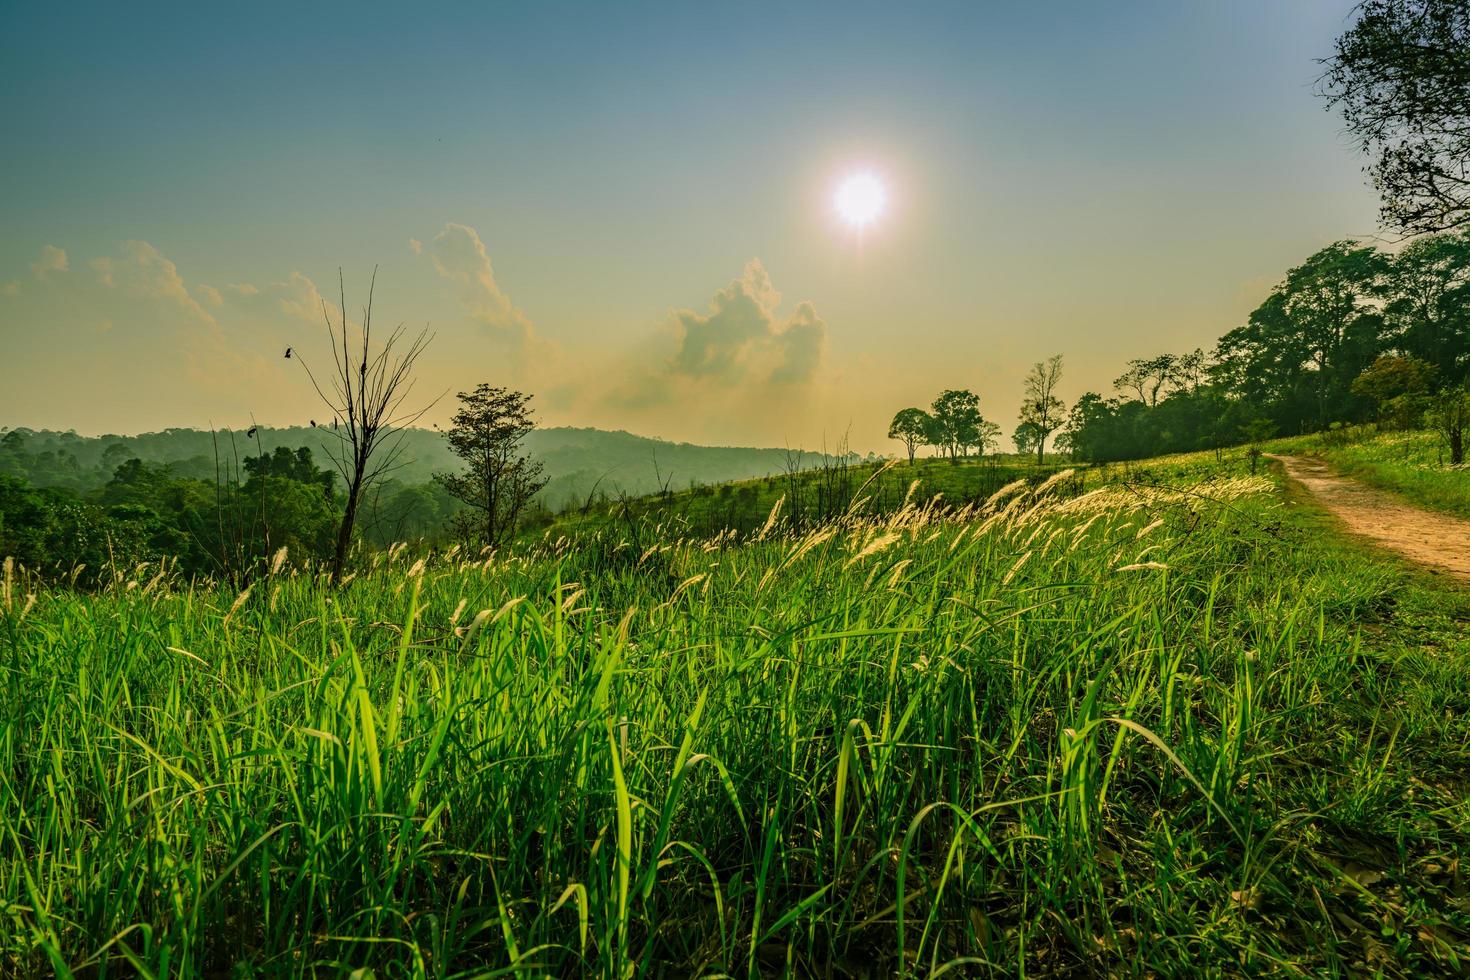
(1438, 540)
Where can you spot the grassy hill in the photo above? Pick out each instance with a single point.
(815, 493)
(1171, 726)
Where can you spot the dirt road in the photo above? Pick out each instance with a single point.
(1437, 540)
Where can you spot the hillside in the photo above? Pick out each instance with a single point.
(577, 460)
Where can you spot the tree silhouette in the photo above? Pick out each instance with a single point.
(499, 480)
(911, 426)
(365, 393)
(1401, 77)
(1041, 410)
(956, 414)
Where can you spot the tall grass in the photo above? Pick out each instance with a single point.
(1133, 732)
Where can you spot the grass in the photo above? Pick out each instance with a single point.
(1148, 731)
(807, 496)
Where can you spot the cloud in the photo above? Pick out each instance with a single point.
(209, 295)
(742, 338)
(142, 270)
(737, 371)
(52, 259)
(415, 246)
(297, 298)
(460, 257)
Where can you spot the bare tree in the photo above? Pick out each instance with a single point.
(365, 394)
(1041, 410)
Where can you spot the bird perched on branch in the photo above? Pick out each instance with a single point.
(288, 353)
(313, 423)
(250, 432)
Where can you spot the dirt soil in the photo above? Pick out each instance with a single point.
(1438, 540)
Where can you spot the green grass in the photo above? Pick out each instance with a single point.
(1143, 732)
(807, 496)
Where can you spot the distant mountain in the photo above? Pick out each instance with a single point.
(578, 461)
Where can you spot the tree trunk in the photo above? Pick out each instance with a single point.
(344, 533)
(1457, 447)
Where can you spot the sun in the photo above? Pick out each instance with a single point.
(860, 199)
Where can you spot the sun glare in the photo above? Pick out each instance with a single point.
(860, 199)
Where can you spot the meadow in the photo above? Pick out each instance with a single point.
(1166, 725)
(809, 493)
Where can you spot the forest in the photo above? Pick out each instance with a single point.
(1356, 333)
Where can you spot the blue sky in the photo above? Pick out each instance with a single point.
(1104, 181)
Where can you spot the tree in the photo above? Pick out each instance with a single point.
(957, 420)
(911, 426)
(290, 464)
(1300, 349)
(1450, 417)
(499, 480)
(365, 395)
(1041, 410)
(1146, 377)
(1401, 77)
(1393, 382)
(1427, 312)
(989, 437)
(1025, 437)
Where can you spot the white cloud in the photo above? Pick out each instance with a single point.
(415, 246)
(52, 259)
(739, 370)
(142, 270)
(460, 256)
(742, 338)
(297, 299)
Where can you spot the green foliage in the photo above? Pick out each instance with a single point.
(1449, 416)
(147, 513)
(1398, 387)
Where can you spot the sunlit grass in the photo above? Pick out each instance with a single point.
(1149, 730)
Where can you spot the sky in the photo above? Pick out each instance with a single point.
(627, 209)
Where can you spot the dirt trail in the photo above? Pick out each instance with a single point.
(1437, 540)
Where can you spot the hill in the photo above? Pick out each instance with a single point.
(578, 461)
